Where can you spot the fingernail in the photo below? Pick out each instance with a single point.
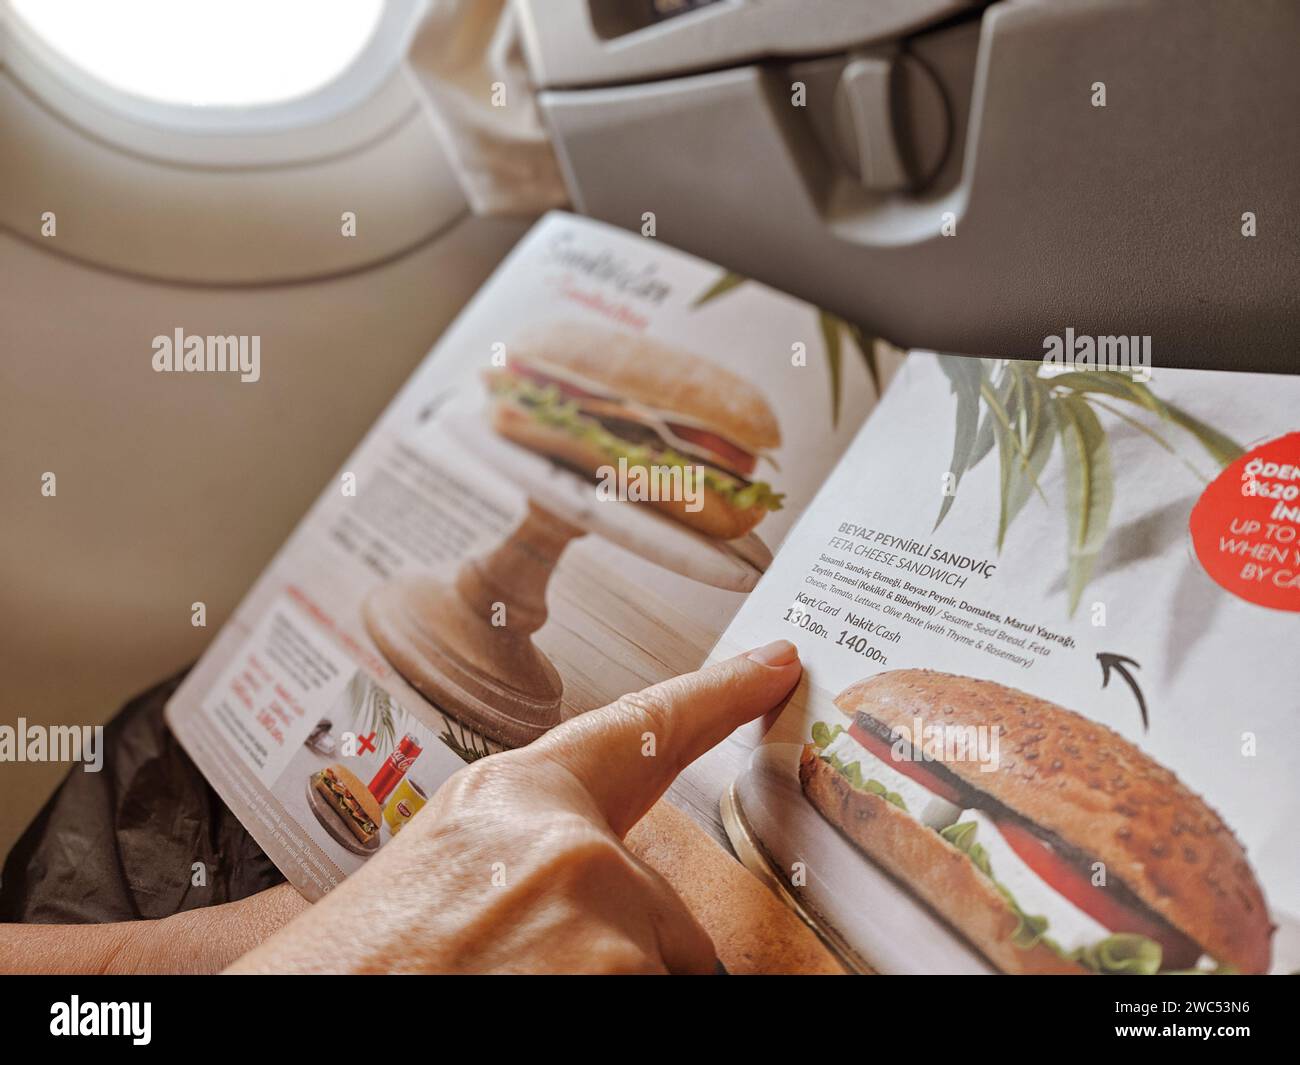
(776, 653)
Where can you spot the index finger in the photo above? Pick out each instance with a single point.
(626, 754)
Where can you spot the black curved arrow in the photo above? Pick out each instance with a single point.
(1111, 661)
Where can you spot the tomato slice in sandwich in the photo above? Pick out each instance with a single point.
(1069, 881)
(734, 458)
(884, 750)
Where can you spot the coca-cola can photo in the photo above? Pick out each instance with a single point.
(395, 766)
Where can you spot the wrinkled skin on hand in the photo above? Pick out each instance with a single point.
(517, 863)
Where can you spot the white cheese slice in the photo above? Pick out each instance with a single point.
(1068, 925)
(923, 804)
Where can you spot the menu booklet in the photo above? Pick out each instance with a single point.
(567, 501)
(1050, 714)
(1048, 719)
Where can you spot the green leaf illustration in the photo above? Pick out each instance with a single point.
(1015, 423)
(985, 438)
(830, 326)
(373, 712)
(1089, 488)
(965, 376)
(1023, 449)
(1119, 385)
(866, 348)
(467, 744)
(724, 284)
(1024, 413)
(1221, 448)
(1146, 431)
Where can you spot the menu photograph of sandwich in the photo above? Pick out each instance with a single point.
(637, 452)
(1070, 851)
(346, 800)
(609, 436)
(595, 398)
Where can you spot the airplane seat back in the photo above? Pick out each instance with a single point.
(954, 174)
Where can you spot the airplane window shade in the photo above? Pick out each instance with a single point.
(206, 53)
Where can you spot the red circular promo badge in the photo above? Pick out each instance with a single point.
(1246, 525)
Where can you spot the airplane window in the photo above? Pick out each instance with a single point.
(207, 53)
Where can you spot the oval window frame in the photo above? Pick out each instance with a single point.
(30, 56)
(273, 182)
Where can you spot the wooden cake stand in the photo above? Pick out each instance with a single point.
(463, 639)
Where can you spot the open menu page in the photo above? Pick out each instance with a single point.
(567, 501)
(1049, 719)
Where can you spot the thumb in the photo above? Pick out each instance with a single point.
(626, 754)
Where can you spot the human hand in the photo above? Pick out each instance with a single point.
(204, 940)
(517, 863)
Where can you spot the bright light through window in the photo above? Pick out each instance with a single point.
(211, 53)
